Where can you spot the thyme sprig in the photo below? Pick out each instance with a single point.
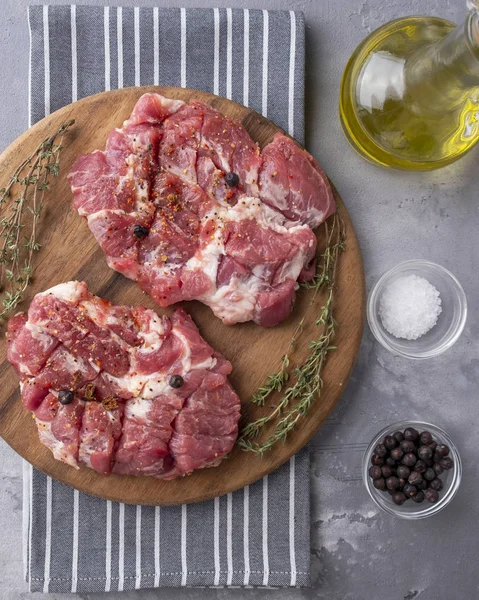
(19, 227)
(306, 378)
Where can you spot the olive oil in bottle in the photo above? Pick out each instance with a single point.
(410, 93)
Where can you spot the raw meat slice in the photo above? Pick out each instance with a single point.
(64, 316)
(206, 426)
(99, 434)
(292, 181)
(64, 370)
(152, 109)
(183, 201)
(114, 232)
(95, 183)
(108, 180)
(147, 430)
(276, 304)
(58, 427)
(199, 354)
(121, 389)
(226, 147)
(180, 142)
(28, 347)
(160, 357)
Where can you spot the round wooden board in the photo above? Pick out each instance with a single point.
(69, 251)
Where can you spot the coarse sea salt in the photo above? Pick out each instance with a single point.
(409, 307)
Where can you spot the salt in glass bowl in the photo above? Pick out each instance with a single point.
(450, 322)
(410, 510)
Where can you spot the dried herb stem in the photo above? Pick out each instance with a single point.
(19, 228)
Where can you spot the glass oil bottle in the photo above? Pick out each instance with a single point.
(410, 93)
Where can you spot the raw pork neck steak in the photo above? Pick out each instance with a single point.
(183, 201)
(118, 388)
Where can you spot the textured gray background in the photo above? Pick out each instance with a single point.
(358, 553)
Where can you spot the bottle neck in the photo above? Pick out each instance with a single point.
(441, 76)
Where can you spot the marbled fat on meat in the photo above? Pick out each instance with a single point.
(239, 249)
(117, 361)
(291, 181)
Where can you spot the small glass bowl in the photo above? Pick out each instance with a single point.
(450, 322)
(410, 510)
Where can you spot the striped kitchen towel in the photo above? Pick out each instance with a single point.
(258, 536)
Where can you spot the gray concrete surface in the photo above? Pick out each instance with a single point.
(358, 553)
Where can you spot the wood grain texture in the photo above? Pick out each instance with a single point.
(69, 251)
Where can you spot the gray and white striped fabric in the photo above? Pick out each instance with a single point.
(258, 536)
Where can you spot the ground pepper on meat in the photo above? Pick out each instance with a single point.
(90, 392)
(110, 403)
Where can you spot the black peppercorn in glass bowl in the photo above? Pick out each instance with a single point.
(450, 478)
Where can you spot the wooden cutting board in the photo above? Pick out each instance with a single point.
(69, 251)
